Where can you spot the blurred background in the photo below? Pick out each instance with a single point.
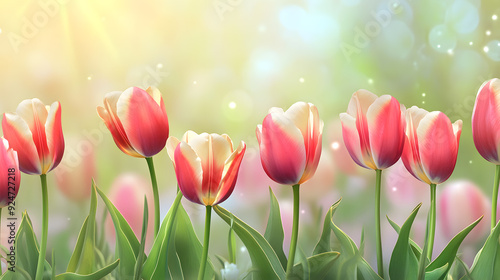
(220, 66)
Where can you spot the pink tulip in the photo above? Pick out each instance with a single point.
(431, 147)
(460, 204)
(35, 132)
(290, 143)
(206, 166)
(486, 121)
(127, 195)
(374, 129)
(9, 173)
(137, 120)
(75, 173)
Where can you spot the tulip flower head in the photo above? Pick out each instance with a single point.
(486, 121)
(206, 166)
(137, 120)
(290, 143)
(373, 129)
(9, 173)
(35, 132)
(431, 147)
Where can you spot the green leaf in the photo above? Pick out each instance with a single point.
(350, 264)
(93, 276)
(274, 231)
(414, 246)
(306, 269)
(484, 266)
(319, 266)
(438, 273)
(404, 264)
(449, 253)
(141, 256)
(127, 245)
(264, 259)
(324, 241)
(189, 248)
(26, 253)
(82, 260)
(161, 252)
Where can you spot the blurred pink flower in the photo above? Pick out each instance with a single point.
(402, 189)
(75, 173)
(460, 204)
(127, 195)
(322, 183)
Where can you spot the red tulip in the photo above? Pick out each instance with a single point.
(206, 166)
(35, 132)
(486, 121)
(290, 143)
(431, 147)
(374, 129)
(137, 120)
(9, 173)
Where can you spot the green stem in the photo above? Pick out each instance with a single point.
(432, 221)
(45, 224)
(206, 240)
(154, 184)
(494, 198)
(295, 230)
(378, 235)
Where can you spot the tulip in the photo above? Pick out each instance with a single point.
(290, 143)
(9, 174)
(35, 132)
(373, 129)
(127, 195)
(206, 166)
(485, 128)
(461, 203)
(430, 152)
(138, 122)
(290, 149)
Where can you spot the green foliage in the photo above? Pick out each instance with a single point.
(274, 231)
(487, 262)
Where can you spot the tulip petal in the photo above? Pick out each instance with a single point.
(282, 149)
(55, 139)
(386, 128)
(486, 121)
(299, 114)
(144, 122)
(438, 146)
(213, 150)
(230, 174)
(189, 173)
(8, 159)
(172, 144)
(20, 139)
(34, 113)
(359, 103)
(350, 136)
(314, 146)
(114, 125)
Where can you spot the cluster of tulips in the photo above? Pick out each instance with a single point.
(377, 132)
